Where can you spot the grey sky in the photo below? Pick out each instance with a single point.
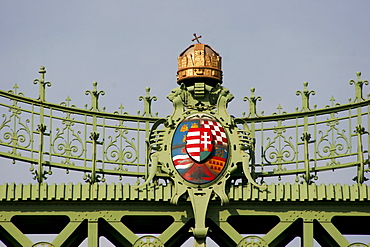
(272, 45)
(126, 46)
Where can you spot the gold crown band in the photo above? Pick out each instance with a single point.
(199, 61)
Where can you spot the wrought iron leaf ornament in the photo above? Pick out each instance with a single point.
(199, 159)
(66, 142)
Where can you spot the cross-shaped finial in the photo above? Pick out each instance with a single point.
(196, 38)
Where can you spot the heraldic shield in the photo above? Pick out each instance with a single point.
(199, 143)
(199, 149)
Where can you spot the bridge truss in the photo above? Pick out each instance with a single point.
(153, 209)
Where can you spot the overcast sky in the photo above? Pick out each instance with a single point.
(126, 46)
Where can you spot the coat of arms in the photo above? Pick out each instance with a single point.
(199, 149)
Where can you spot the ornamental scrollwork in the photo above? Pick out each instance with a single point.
(148, 241)
(147, 103)
(280, 148)
(358, 88)
(68, 142)
(252, 103)
(14, 132)
(305, 93)
(252, 241)
(332, 142)
(121, 148)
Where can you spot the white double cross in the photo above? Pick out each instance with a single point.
(205, 140)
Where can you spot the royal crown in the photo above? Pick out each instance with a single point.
(199, 63)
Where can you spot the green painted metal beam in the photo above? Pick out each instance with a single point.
(169, 235)
(274, 236)
(125, 234)
(339, 239)
(93, 234)
(14, 236)
(230, 232)
(70, 234)
(308, 233)
(152, 192)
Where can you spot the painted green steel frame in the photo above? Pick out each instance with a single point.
(89, 140)
(97, 143)
(324, 213)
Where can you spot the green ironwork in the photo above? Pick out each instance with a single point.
(297, 146)
(278, 214)
(69, 136)
(64, 142)
(328, 142)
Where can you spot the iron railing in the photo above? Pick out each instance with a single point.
(308, 141)
(98, 143)
(90, 140)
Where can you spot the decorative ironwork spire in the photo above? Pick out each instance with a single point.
(359, 87)
(305, 97)
(42, 83)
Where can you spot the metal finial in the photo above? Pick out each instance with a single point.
(196, 38)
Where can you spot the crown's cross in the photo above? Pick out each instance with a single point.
(196, 38)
